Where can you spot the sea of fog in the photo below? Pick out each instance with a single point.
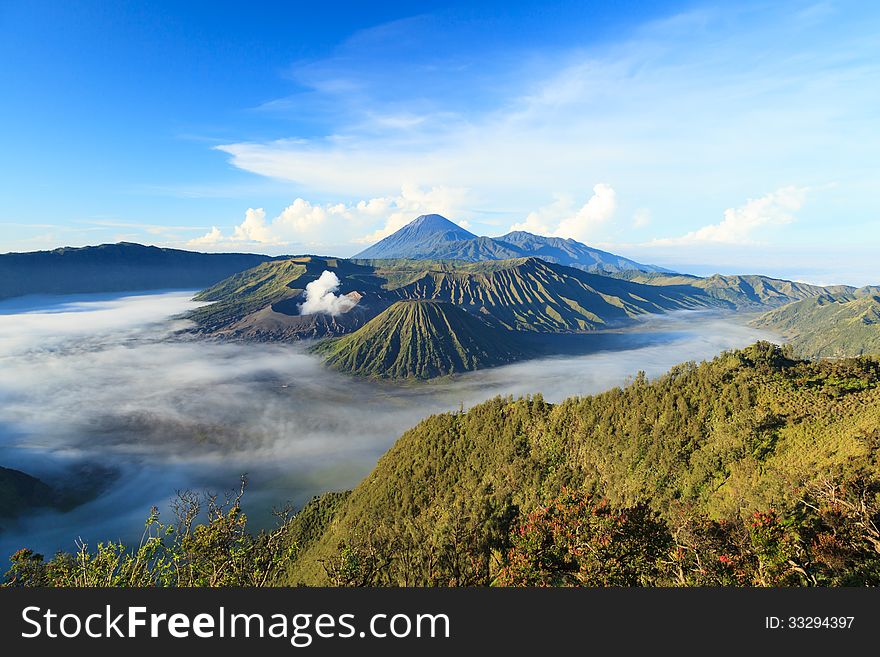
(103, 391)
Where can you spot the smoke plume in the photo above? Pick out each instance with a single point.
(321, 297)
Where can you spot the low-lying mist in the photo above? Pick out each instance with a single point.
(103, 393)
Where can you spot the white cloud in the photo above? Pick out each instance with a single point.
(595, 212)
(740, 225)
(213, 236)
(253, 228)
(321, 297)
(303, 217)
(537, 221)
(306, 222)
(562, 219)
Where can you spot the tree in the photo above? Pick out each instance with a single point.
(574, 541)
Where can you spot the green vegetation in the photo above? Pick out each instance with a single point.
(754, 469)
(706, 447)
(421, 339)
(526, 294)
(510, 296)
(270, 285)
(842, 325)
(530, 294)
(747, 291)
(218, 552)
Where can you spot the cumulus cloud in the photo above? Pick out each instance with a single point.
(659, 111)
(303, 221)
(303, 217)
(321, 297)
(213, 236)
(740, 225)
(563, 219)
(299, 217)
(253, 228)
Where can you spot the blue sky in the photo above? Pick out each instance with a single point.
(705, 137)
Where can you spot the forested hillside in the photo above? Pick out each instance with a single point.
(751, 437)
(740, 291)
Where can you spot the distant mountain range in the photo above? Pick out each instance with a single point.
(830, 325)
(741, 291)
(20, 493)
(503, 301)
(434, 237)
(118, 267)
(486, 295)
(526, 294)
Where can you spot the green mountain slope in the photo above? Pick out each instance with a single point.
(526, 294)
(276, 288)
(530, 294)
(421, 339)
(745, 291)
(829, 325)
(750, 432)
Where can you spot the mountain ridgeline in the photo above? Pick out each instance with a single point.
(748, 292)
(434, 237)
(489, 306)
(510, 299)
(118, 267)
(492, 291)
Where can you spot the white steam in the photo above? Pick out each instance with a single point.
(321, 297)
